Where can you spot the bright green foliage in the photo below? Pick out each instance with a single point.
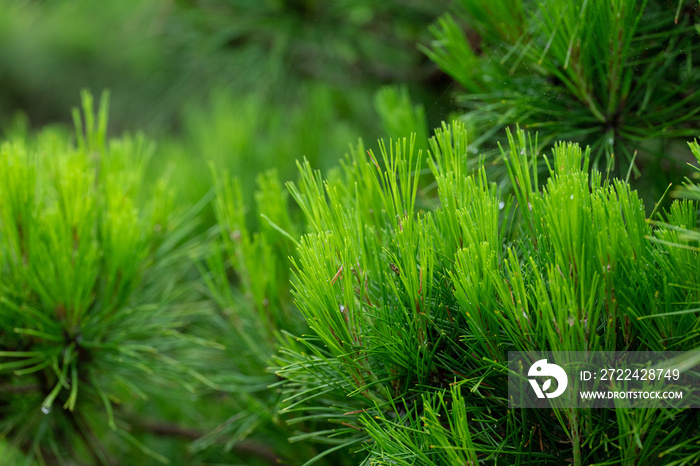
(259, 263)
(413, 308)
(693, 190)
(248, 275)
(412, 273)
(248, 279)
(689, 191)
(619, 76)
(96, 286)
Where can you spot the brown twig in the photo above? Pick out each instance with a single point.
(18, 389)
(247, 447)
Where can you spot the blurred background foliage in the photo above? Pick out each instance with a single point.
(158, 56)
(247, 85)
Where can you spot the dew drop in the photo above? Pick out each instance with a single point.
(45, 409)
(501, 205)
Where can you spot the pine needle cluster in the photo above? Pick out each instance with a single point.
(96, 288)
(413, 307)
(618, 76)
